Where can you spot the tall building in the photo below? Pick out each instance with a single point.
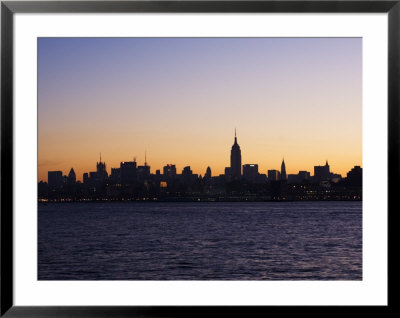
(85, 178)
(236, 160)
(115, 176)
(101, 170)
(169, 170)
(55, 179)
(128, 171)
(354, 176)
(250, 172)
(321, 173)
(71, 177)
(143, 172)
(273, 175)
(283, 171)
(207, 175)
(187, 176)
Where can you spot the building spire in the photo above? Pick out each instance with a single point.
(100, 156)
(283, 170)
(235, 136)
(145, 158)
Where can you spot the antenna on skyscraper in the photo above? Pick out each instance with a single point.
(145, 158)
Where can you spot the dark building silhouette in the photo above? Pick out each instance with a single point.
(169, 171)
(321, 173)
(187, 176)
(303, 175)
(85, 178)
(55, 179)
(102, 174)
(71, 177)
(261, 178)
(298, 178)
(236, 160)
(92, 175)
(132, 182)
(187, 171)
(293, 178)
(278, 189)
(207, 175)
(115, 176)
(354, 176)
(143, 172)
(43, 190)
(283, 171)
(98, 178)
(250, 172)
(334, 177)
(228, 173)
(273, 175)
(157, 177)
(128, 171)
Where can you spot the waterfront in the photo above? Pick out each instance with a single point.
(200, 241)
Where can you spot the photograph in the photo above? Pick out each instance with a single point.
(199, 158)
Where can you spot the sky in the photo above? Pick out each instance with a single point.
(179, 101)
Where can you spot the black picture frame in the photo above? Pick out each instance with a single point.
(9, 8)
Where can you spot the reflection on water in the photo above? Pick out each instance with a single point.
(200, 241)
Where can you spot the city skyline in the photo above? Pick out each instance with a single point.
(235, 169)
(179, 99)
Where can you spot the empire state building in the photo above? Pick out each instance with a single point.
(236, 160)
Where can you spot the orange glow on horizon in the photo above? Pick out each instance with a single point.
(180, 100)
(295, 160)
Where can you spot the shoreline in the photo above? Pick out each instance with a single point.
(195, 201)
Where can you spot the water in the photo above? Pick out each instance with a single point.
(200, 241)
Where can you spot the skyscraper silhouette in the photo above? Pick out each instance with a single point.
(143, 172)
(55, 179)
(322, 173)
(101, 170)
(71, 176)
(283, 170)
(236, 160)
(207, 175)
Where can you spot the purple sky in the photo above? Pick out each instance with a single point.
(181, 99)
